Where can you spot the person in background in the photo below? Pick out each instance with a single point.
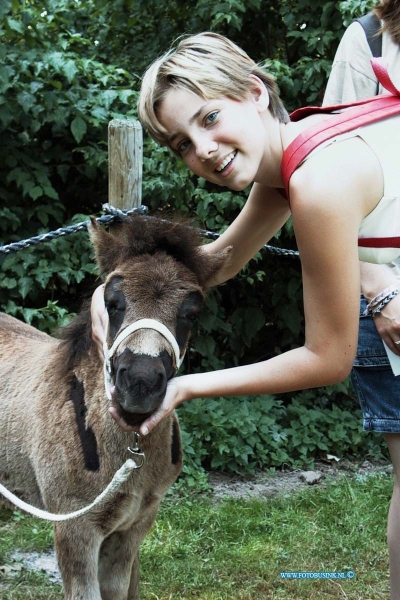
(378, 390)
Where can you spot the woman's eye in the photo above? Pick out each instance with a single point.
(183, 146)
(211, 118)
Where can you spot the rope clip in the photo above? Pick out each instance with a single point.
(136, 451)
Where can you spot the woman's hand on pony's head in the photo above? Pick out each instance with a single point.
(99, 316)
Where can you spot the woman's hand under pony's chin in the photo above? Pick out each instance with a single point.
(173, 397)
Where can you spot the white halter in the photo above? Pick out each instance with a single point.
(140, 324)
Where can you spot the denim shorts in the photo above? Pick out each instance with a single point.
(377, 389)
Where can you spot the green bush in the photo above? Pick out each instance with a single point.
(67, 68)
(241, 435)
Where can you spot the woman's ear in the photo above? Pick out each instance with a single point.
(259, 93)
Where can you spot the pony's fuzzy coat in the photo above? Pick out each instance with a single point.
(59, 447)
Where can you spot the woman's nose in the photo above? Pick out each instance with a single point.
(205, 148)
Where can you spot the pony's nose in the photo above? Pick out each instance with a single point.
(150, 380)
(140, 381)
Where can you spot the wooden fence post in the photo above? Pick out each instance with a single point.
(125, 159)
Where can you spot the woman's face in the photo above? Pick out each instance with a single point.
(222, 140)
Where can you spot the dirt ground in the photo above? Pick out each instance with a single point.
(285, 481)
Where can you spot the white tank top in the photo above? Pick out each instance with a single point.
(383, 138)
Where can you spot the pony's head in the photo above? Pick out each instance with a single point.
(155, 279)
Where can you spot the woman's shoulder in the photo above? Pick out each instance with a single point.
(338, 174)
(291, 130)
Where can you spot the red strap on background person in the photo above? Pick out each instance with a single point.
(358, 114)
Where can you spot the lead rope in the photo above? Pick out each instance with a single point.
(119, 478)
(123, 473)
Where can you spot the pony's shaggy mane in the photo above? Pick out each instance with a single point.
(76, 340)
(140, 235)
(147, 235)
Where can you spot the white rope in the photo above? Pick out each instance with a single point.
(119, 478)
(149, 324)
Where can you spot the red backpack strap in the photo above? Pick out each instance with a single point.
(379, 66)
(358, 114)
(306, 111)
(311, 138)
(383, 242)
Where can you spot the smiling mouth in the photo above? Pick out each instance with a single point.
(226, 162)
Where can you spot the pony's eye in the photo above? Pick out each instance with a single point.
(112, 308)
(192, 318)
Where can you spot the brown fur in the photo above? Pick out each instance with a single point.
(59, 447)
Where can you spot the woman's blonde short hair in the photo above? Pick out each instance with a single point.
(209, 65)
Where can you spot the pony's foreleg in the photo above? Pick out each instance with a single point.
(119, 562)
(134, 586)
(117, 556)
(77, 546)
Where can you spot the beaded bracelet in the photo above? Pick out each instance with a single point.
(377, 308)
(378, 299)
(375, 301)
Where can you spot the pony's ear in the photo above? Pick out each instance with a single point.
(213, 265)
(108, 248)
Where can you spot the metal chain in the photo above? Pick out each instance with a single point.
(115, 214)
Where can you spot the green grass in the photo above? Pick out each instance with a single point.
(235, 549)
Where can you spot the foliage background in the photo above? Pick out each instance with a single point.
(67, 67)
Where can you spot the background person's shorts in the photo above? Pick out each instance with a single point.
(377, 389)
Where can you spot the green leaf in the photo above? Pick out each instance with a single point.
(78, 128)
(70, 69)
(15, 25)
(205, 345)
(50, 192)
(5, 6)
(9, 283)
(35, 192)
(25, 285)
(26, 100)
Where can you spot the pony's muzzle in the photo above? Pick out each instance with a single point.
(140, 381)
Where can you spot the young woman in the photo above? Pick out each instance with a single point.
(377, 388)
(220, 113)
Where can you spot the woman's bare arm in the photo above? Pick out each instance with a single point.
(264, 213)
(326, 218)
